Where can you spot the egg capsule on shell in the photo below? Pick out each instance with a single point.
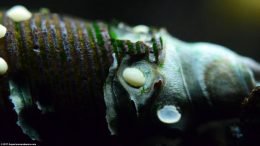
(3, 31)
(19, 13)
(3, 66)
(134, 77)
(168, 114)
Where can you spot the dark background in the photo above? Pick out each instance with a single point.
(232, 23)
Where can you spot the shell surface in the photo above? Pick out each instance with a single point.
(74, 69)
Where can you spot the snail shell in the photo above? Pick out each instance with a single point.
(200, 81)
(58, 65)
(74, 69)
(210, 76)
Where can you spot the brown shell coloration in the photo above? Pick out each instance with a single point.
(66, 55)
(59, 54)
(63, 61)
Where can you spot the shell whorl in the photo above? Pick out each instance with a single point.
(69, 57)
(65, 61)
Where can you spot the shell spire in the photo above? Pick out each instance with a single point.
(63, 62)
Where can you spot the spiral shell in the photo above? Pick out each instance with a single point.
(63, 62)
(114, 79)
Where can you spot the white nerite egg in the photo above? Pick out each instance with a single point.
(3, 66)
(2, 31)
(19, 13)
(168, 114)
(141, 29)
(134, 77)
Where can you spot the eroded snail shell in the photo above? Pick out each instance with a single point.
(58, 64)
(75, 69)
(204, 81)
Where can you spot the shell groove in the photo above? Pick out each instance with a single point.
(66, 54)
(65, 61)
